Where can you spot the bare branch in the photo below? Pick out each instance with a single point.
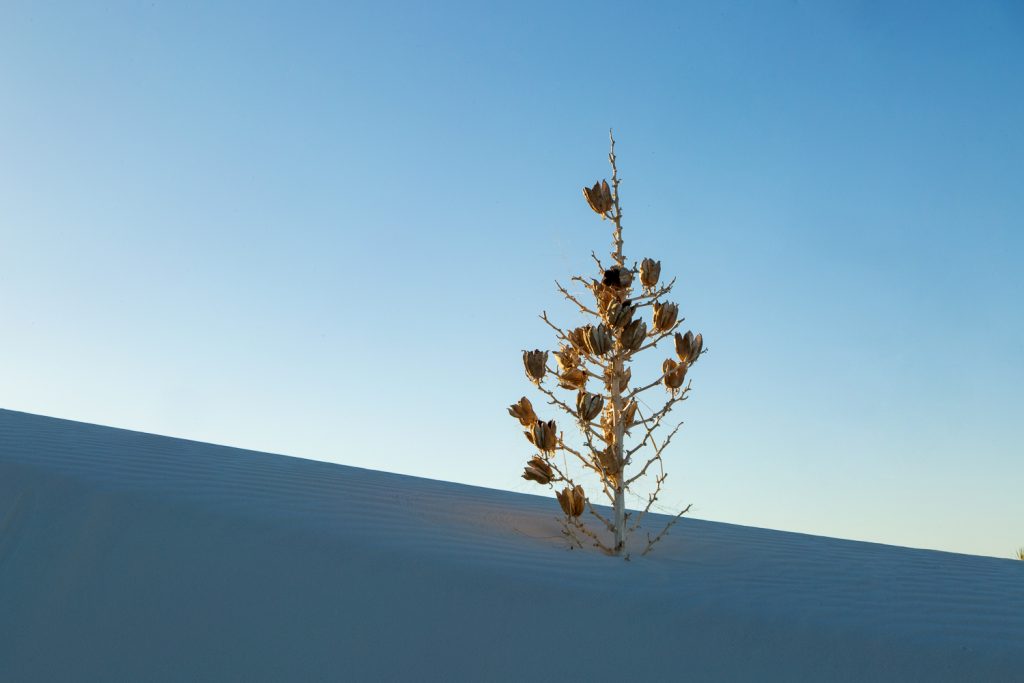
(589, 432)
(556, 328)
(554, 400)
(572, 523)
(589, 284)
(653, 384)
(653, 295)
(562, 476)
(671, 523)
(656, 457)
(579, 456)
(661, 336)
(604, 520)
(651, 498)
(587, 463)
(644, 388)
(576, 301)
(661, 412)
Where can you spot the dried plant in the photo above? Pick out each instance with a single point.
(1020, 553)
(593, 360)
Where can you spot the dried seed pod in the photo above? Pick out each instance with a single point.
(523, 411)
(674, 373)
(572, 501)
(574, 379)
(683, 342)
(538, 470)
(599, 342)
(633, 335)
(578, 339)
(536, 364)
(629, 414)
(650, 271)
(688, 347)
(599, 197)
(543, 435)
(568, 358)
(609, 465)
(665, 316)
(696, 348)
(588, 406)
(619, 314)
(618, 276)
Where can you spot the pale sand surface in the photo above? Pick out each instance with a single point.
(132, 557)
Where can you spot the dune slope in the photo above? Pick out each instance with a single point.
(129, 556)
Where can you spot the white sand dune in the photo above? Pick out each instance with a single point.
(127, 556)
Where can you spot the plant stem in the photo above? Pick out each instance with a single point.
(617, 216)
(617, 385)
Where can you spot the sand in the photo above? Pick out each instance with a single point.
(129, 556)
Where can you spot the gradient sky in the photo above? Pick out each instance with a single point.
(326, 230)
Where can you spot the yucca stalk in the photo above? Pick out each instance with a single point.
(607, 414)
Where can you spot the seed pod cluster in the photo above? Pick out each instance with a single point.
(650, 271)
(665, 316)
(688, 347)
(536, 364)
(523, 411)
(538, 470)
(572, 501)
(543, 435)
(674, 373)
(599, 197)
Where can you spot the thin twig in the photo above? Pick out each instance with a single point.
(657, 455)
(561, 335)
(651, 498)
(671, 523)
(607, 523)
(577, 524)
(653, 295)
(661, 336)
(576, 301)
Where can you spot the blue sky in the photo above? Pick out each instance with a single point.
(326, 230)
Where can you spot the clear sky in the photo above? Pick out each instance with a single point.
(326, 229)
